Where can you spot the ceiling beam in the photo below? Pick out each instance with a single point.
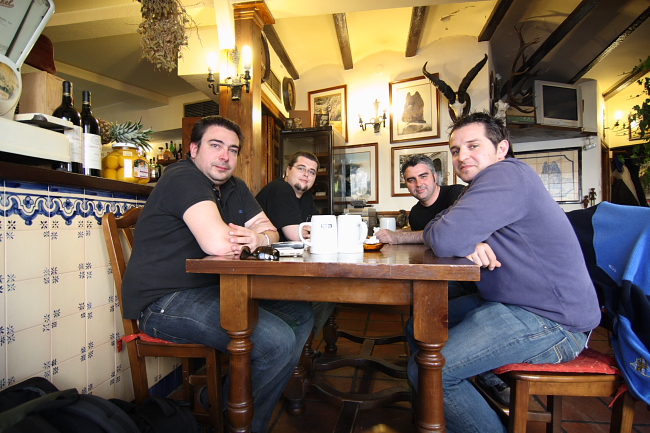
(276, 43)
(626, 81)
(341, 25)
(581, 11)
(495, 19)
(415, 30)
(64, 68)
(615, 43)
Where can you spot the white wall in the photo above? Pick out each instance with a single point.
(369, 81)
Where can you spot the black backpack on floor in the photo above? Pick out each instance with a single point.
(37, 406)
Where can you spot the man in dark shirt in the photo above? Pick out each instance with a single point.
(287, 202)
(199, 208)
(422, 182)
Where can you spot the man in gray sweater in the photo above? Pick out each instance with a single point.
(536, 302)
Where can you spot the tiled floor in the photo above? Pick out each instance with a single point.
(581, 414)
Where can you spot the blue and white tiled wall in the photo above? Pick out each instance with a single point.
(59, 314)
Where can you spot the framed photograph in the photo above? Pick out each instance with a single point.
(332, 101)
(439, 154)
(560, 171)
(356, 173)
(414, 112)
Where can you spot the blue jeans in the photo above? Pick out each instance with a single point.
(194, 316)
(485, 335)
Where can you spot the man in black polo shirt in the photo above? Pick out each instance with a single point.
(288, 202)
(199, 208)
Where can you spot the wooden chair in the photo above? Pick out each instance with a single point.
(592, 374)
(140, 345)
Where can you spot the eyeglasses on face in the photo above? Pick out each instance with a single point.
(303, 169)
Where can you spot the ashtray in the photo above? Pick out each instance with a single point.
(372, 247)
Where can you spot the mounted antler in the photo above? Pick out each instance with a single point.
(515, 95)
(458, 103)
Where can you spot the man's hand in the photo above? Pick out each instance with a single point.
(387, 236)
(400, 237)
(240, 236)
(261, 225)
(485, 257)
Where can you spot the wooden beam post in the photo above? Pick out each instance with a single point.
(250, 17)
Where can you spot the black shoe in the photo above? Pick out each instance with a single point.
(499, 392)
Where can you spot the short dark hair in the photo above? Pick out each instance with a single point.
(495, 129)
(416, 159)
(202, 125)
(304, 154)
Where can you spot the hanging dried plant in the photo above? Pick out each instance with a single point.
(163, 32)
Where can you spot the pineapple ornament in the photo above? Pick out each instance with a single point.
(127, 161)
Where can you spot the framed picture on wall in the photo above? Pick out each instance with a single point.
(414, 112)
(333, 102)
(560, 171)
(439, 154)
(356, 173)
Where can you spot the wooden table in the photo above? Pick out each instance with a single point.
(396, 275)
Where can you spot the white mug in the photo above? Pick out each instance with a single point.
(388, 223)
(323, 234)
(352, 231)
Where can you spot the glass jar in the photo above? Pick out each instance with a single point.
(126, 163)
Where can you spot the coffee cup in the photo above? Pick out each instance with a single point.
(352, 231)
(323, 234)
(388, 223)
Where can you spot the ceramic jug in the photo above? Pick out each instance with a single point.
(352, 231)
(323, 234)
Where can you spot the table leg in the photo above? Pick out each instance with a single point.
(240, 395)
(430, 331)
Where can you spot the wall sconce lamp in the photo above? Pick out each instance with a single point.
(618, 128)
(229, 71)
(377, 121)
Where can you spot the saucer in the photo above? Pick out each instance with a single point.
(372, 247)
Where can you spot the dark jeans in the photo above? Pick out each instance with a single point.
(194, 316)
(483, 336)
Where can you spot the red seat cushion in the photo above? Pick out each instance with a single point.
(589, 361)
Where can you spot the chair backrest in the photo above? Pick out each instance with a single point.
(117, 252)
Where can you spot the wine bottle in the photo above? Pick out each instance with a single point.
(158, 169)
(152, 170)
(172, 150)
(66, 111)
(91, 139)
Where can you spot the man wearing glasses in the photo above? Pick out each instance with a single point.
(287, 203)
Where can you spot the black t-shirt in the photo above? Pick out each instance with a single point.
(279, 203)
(420, 215)
(163, 241)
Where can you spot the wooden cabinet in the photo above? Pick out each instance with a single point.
(320, 141)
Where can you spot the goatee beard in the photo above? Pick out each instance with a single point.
(301, 188)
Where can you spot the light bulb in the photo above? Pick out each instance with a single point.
(213, 61)
(247, 55)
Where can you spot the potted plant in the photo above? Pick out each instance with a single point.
(127, 161)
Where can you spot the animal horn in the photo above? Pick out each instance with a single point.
(462, 89)
(441, 85)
